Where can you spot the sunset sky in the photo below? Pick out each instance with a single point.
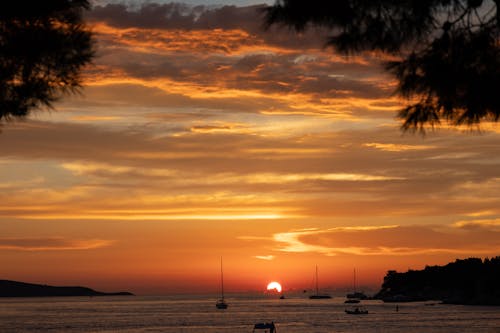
(199, 135)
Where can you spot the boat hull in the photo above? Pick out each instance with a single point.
(320, 296)
(221, 305)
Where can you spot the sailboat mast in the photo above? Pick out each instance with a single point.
(317, 289)
(221, 278)
(355, 280)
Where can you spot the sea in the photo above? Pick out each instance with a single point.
(192, 314)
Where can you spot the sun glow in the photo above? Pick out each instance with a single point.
(274, 286)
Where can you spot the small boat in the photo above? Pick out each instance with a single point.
(324, 296)
(265, 326)
(318, 295)
(356, 311)
(221, 303)
(282, 297)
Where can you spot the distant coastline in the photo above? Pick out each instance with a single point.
(469, 282)
(10, 288)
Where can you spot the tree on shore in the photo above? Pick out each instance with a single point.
(448, 51)
(465, 281)
(43, 47)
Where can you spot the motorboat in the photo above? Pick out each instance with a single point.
(357, 310)
(265, 326)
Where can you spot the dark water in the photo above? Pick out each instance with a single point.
(198, 314)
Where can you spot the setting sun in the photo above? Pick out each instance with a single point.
(274, 286)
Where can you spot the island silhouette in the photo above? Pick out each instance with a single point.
(10, 288)
(469, 281)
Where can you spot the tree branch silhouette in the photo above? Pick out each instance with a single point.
(449, 50)
(43, 47)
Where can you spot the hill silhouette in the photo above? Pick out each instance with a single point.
(469, 281)
(21, 289)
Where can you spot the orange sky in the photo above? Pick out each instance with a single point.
(205, 136)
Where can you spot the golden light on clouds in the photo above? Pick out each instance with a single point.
(396, 147)
(137, 216)
(268, 257)
(95, 118)
(226, 41)
(299, 241)
(493, 223)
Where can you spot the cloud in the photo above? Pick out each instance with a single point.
(109, 170)
(93, 172)
(220, 127)
(389, 240)
(174, 16)
(489, 224)
(290, 242)
(268, 257)
(223, 53)
(147, 16)
(275, 178)
(30, 183)
(52, 244)
(396, 147)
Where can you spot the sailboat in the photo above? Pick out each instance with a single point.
(221, 303)
(356, 296)
(318, 295)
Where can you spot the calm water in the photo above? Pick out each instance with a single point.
(198, 314)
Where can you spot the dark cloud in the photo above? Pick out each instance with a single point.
(180, 16)
(151, 97)
(151, 15)
(206, 53)
(266, 73)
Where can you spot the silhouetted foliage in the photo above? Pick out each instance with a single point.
(449, 50)
(43, 47)
(468, 281)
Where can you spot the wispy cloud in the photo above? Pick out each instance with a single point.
(287, 178)
(221, 128)
(290, 242)
(268, 257)
(52, 244)
(392, 240)
(397, 147)
(37, 181)
(482, 223)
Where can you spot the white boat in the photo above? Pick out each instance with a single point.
(318, 295)
(221, 303)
